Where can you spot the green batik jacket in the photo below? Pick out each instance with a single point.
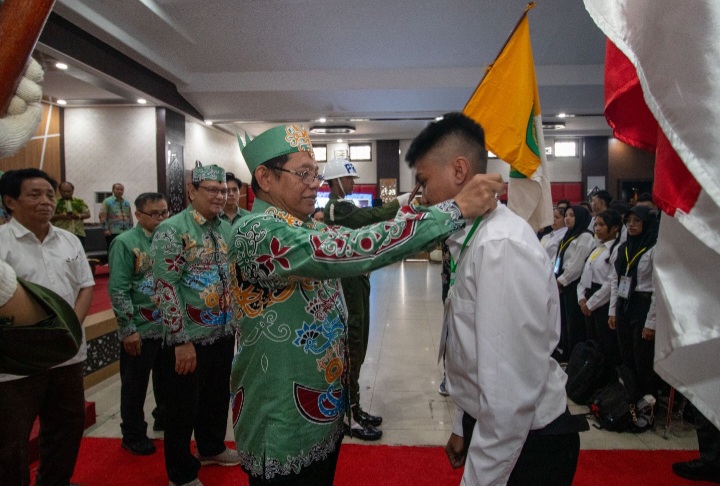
(76, 206)
(115, 215)
(343, 212)
(131, 285)
(287, 395)
(189, 256)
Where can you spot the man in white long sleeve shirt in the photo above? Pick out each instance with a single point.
(502, 322)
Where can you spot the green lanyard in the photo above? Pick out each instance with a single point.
(630, 262)
(453, 265)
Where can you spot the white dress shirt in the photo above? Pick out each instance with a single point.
(551, 241)
(574, 260)
(502, 320)
(598, 270)
(644, 284)
(58, 263)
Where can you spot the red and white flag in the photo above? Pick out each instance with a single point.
(662, 94)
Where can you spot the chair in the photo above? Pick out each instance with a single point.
(95, 247)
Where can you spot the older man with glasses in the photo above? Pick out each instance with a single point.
(189, 253)
(288, 378)
(140, 328)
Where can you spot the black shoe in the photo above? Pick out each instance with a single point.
(363, 432)
(697, 470)
(140, 447)
(363, 418)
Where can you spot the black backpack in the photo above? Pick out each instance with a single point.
(586, 371)
(613, 406)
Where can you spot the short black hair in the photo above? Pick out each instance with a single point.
(451, 124)
(230, 177)
(68, 183)
(621, 207)
(586, 205)
(605, 196)
(273, 163)
(563, 201)
(11, 182)
(147, 197)
(645, 197)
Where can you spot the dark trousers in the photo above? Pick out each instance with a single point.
(198, 402)
(545, 459)
(708, 439)
(574, 318)
(357, 298)
(134, 377)
(319, 473)
(637, 353)
(596, 328)
(58, 397)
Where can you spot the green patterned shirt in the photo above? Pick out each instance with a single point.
(131, 285)
(287, 396)
(116, 215)
(189, 256)
(76, 206)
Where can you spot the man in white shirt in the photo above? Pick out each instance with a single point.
(502, 321)
(53, 258)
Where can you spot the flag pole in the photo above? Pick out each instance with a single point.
(528, 7)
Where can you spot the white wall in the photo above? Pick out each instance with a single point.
(212, 146)
(108, 145)
(366, 170)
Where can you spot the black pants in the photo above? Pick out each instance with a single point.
(58, 397)
(134, 377)
(357, 298)
(596, 328)
(708, 439)
(198, 402)
(637, 353)
(320, 473)
(574, 318)
(545, 459)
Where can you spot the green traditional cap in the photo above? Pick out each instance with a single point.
(208, 173)
(277, 141)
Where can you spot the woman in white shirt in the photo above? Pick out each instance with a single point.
(593, 290)
(551, 241)
(632, 304)
(574, 249)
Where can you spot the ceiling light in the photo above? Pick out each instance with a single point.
(322, 120)
(438, 118)
(332, 129)
(62, 102)
(142, 101)
(561, 115)
(553, 125)
(61, 65)
(339, 140)
(208, 122)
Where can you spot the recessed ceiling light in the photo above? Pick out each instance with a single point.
(561, 115)
(332, 129)
(61, 65)
(62, 102)
(208, 122)
(142, 101)
(339, 140)
(322, 120)
(553, 125)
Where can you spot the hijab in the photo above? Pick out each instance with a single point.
(582, 222)
(634, 244)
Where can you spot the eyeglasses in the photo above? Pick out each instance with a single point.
(306, 176)
(215, 192)
(156, 214)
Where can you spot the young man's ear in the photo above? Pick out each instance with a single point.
(461, 169)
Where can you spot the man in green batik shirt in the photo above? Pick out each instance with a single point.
(70, 212)
(189, 253)
(288, 399)
(340, 175)
(140, 328)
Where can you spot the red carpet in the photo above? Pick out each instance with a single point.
(101, 299)
(103, 463)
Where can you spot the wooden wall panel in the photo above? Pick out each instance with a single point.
(31, 155)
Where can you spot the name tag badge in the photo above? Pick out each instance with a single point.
(557, 265)
(624, 287)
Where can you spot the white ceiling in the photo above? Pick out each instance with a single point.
(248, 64)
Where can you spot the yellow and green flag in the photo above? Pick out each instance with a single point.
(507, 105)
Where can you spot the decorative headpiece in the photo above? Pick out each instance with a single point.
(281, 140)
(207, 173)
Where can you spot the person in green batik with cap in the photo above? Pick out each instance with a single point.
(70, 212)
(140, 328)
(289, 375)
(340, 176)
(189, 253)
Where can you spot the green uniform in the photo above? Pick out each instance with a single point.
(343, 212)
(131, 285)
(240, 213)
(75, 206)
(287, 396)
(189, 255)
